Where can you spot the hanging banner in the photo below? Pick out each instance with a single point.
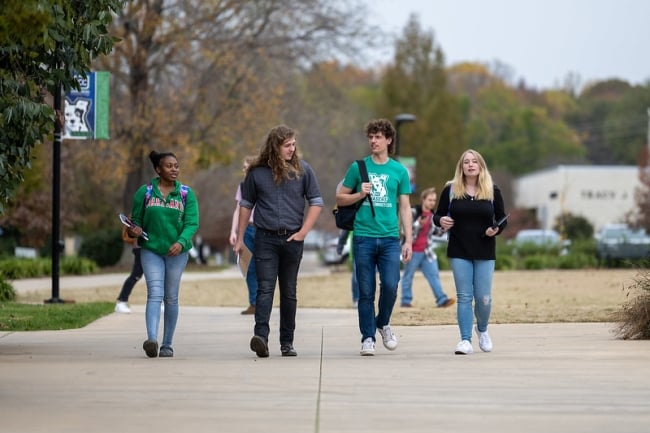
(86, 109)
(409, 162)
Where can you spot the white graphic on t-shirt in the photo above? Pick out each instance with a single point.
(379, 192)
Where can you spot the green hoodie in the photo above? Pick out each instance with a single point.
(166, 221)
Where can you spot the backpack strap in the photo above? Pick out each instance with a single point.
(363, 171)
(184, 190)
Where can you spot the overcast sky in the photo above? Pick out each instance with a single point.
(541, 40)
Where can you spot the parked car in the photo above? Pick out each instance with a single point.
(619, 241)
(331, 257)
(541, 238)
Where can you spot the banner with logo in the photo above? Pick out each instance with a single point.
(86, 109)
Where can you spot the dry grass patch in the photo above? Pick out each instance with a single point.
(518, 296)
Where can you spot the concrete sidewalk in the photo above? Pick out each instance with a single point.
(540, 378)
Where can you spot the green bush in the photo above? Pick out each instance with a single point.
(77, 266)
(539, 261)
(7, 293)
(15, 268)
(104, 247)
(443, 260)
(505, 262)
(577, 261)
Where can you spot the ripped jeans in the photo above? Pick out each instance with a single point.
(473, 279)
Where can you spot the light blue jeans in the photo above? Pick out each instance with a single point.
(163, 277)
(431, 273)
(473, 279)
(372, 255)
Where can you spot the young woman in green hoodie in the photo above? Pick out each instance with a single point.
(168, 213)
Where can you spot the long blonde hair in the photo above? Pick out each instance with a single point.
(484, 187)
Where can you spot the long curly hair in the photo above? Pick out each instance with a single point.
(270, 155)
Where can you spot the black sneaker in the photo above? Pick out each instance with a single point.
(150, 348)
(166, 352)
(259, 346)
(288, 350)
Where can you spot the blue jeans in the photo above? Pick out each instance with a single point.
(163, 277)
(429, 270)
(276, 260)
(354, 283)
(372, 255)
(251, 275)
(473, 279)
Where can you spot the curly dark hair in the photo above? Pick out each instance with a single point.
(386, 128)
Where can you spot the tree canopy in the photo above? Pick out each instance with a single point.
(43, 44)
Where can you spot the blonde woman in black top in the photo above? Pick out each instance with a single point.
(468, 207)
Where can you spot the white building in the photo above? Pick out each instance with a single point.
(601, 194)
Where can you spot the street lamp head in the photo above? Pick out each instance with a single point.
(404, 117)
(399, 119)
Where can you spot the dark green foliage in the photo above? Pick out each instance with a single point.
(43, 43)
(574, 226)
(633, 319)
(15, 268)
(7, 292)
(104, 247)
(577, 260)
(77, 266)
(505, 262)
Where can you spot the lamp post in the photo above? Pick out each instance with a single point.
(399, 119)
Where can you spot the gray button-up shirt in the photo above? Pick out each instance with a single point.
(280, 206)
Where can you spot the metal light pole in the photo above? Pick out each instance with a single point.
(399, 119)
(56, 197)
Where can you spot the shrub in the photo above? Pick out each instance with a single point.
(15, 268)
(7, 293)
(505, 262)
(540, 261)
(104, 247)
(77, 266)
(633, 319)
(577, 261)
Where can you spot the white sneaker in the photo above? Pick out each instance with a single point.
(389, 339)
(122, 307)
(464, 348)
(484, 341)
(368, 347)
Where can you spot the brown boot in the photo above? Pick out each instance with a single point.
(249, 310)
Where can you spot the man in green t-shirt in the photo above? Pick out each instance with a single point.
(376, 243)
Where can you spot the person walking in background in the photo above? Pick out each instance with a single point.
(122, 304)
(277, 185)
(469, 206)
(344, 239)
(249, 241)
(425, 234)
(376, 241)
(169, 213)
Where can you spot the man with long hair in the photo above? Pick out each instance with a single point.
(277, 184)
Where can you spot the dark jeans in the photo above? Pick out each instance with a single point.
(134, 277)
(276, 260)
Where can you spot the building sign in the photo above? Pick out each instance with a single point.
(86, 109)
(591, 194)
